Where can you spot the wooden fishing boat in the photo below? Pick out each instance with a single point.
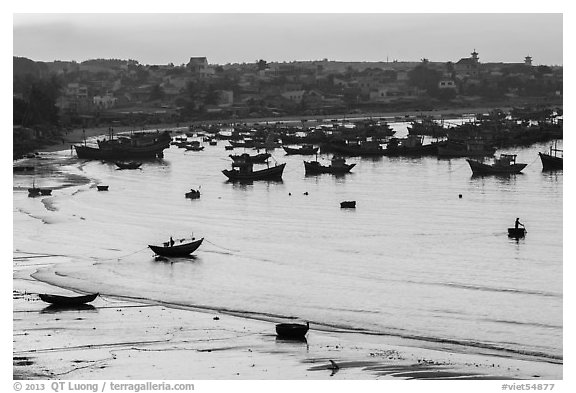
(102, 188)
(137, 145)
(67, 301)
(338, 166)
(552, 160)
(193, 194)
(348, 205)
(516, 232)
(128, 165)
(180, 250)
(302, 150)
(255, 159)
(504, 165)
(243, 171)
(292, 331)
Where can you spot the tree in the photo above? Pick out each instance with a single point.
(157, 93)
(424, 78)
(262, 65)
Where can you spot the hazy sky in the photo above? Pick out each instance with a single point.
(160, 38)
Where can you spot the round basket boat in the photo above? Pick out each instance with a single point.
(294, 331)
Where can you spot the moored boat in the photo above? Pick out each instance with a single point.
(168, 249)
(302, 150)
(338, 166)
(348, 205)
(552, 160)
(128, 164)
(139, 145)
(193, 194)
(505, 164)
(255, 159)
(292, 331)
(102, 188)
(243, 171)
(59, 300)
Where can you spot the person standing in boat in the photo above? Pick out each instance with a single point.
(171, 241)
(517, 223)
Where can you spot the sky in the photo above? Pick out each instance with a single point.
(228, 36)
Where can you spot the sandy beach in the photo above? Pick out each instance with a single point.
(122, 339)
(127, 339)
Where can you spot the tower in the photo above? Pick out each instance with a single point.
(474, 56)
(528, 61)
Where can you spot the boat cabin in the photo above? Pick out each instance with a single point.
(505, 160)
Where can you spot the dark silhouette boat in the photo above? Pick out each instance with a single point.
(552, 160)
(504, 165)
(180, 250)
(193, 194)
(516, 233)
(338, 166)
(255, 159)
(412, 145)
(243, 171)
(128, 164)
(304, 150)
(102, 188)
(469, 148)
(138, 145)
(67, 301)
(348, 204)
(292, 331)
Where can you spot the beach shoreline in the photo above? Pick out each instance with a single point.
(115, 338)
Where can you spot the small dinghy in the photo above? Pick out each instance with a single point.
(348, 205)
(102, 188)
(170, 249)
(67, 301)
(292, 331)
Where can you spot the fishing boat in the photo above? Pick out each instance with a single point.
(552, 160)
(469, 148)
(412, 145)
(193, 194)
(255, 159)
(348, 205)
(365, 148)
(338, 166)
(45, 191)
(516, 232)
(102, 188)
(194, 146)
(67, 301)
(302, 150)
(128, 164)
(138, 145)
(292, 331)
(179, 250)
(244, 171)
(505, 164)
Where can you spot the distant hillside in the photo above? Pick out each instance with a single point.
(23, 66)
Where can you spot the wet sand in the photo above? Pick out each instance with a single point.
(124, 339)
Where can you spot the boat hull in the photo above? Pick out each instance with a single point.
(68, 300)
(181, 250)
(110, 150)
(274, 173)
(551, 162)
(314, 168)
(516, 232)
(302, 151)
(291, 331)
(479, 168)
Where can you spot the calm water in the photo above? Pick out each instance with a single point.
(413, 260)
